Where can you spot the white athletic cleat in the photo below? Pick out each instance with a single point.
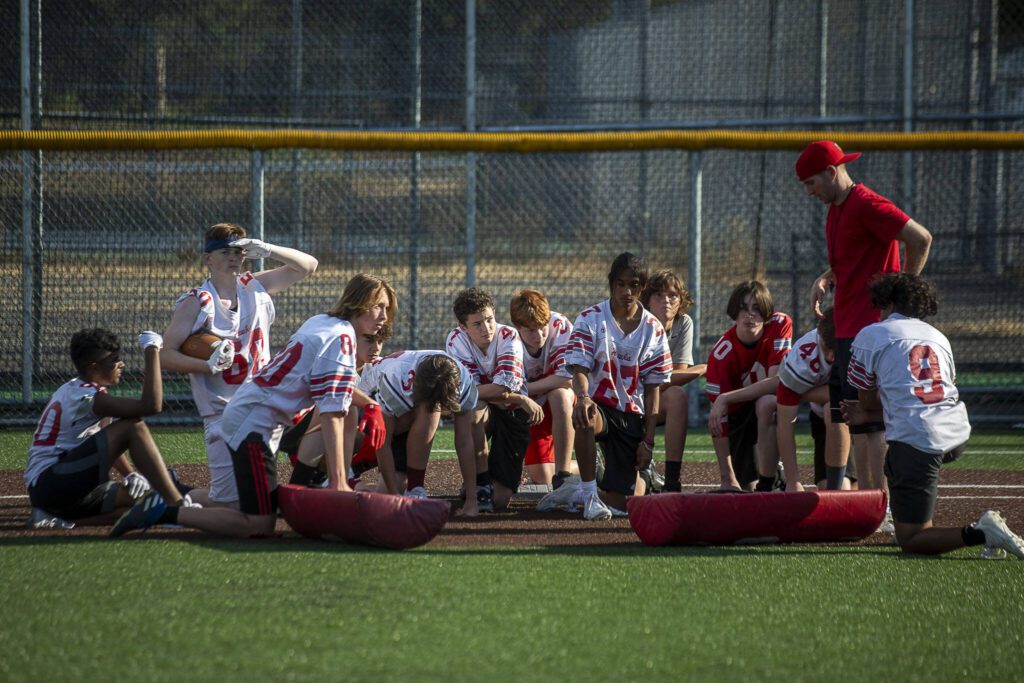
(990, 553)
(887, 526)
(616, 512)
(559, 499)
(594, 509)
(41, 519)
(418, 493)
(998, 535)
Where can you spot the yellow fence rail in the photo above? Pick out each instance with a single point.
(526, 143)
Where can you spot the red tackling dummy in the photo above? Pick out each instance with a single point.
(725, 518)
(364, 518)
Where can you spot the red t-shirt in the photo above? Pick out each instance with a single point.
(861, 235)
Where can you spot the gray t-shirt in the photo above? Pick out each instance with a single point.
(680, 340)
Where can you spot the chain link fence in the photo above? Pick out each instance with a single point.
(111, 238)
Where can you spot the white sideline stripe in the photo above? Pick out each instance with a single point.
(979, 498)
(705, 451)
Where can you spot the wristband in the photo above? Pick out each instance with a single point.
(649, 443)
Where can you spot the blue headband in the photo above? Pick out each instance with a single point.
(214, 245)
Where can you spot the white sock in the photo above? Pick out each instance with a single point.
(589, 487)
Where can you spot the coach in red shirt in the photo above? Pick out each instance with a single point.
(863, 231)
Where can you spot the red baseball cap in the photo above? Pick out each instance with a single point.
(818, 156)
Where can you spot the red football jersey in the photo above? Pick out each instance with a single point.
(733, 365)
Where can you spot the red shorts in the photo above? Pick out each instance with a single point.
(541, 449)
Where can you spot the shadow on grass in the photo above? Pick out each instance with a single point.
(292, 545)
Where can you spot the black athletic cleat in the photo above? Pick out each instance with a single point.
(672, 487)
(780, 479)
(146, 512)
(485, 498)
(655, 482)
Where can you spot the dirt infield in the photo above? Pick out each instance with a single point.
(963, 496)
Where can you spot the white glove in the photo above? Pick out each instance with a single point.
(150, 338)
(223, 356)
(136, 484)
(252, 248)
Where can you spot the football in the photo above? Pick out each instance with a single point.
(200, 345)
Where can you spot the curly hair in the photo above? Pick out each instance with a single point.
(470, 301)
(627, 261)
(437, 383)
(361, 294)
(762, 298)
(530, 309)
(909, 295)
(89, 346)
(667, 281)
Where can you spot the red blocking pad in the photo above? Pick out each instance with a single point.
(726, 518)
(376, 519)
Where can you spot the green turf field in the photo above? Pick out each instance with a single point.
(216, 610)
(165, 609)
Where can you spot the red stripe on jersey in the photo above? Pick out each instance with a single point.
(332, 390)
(663, 360)
(347, 377)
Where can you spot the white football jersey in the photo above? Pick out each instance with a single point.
(249, 329)
(619, 365)
(317, 366)
(552, 354)
(67, 421)
(502, 363)
(389, 381)
(911, 365)
(805, 366)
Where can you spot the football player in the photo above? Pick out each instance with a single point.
(78, 440)
(303, 442)
(235, 305)
(493, 354)
(669, 301)
(618, 359)
(545, 336)
(740, 424)
(415, 390)
(904, 373)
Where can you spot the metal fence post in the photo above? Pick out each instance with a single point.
(470, 156)
(908, 102)
(693, 265)
(28, 246)
(414, 171)
(298, 219)
(257, 202)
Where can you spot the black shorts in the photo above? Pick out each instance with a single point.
(742, 440)
(509, 431)
(914, 481)
(399, 452)
(78, 485)
(840, 389)
(255, 475)
(619, 441)
(292, 436)
(818, 433)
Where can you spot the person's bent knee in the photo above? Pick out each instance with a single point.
(674, 399)
(765, 409)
